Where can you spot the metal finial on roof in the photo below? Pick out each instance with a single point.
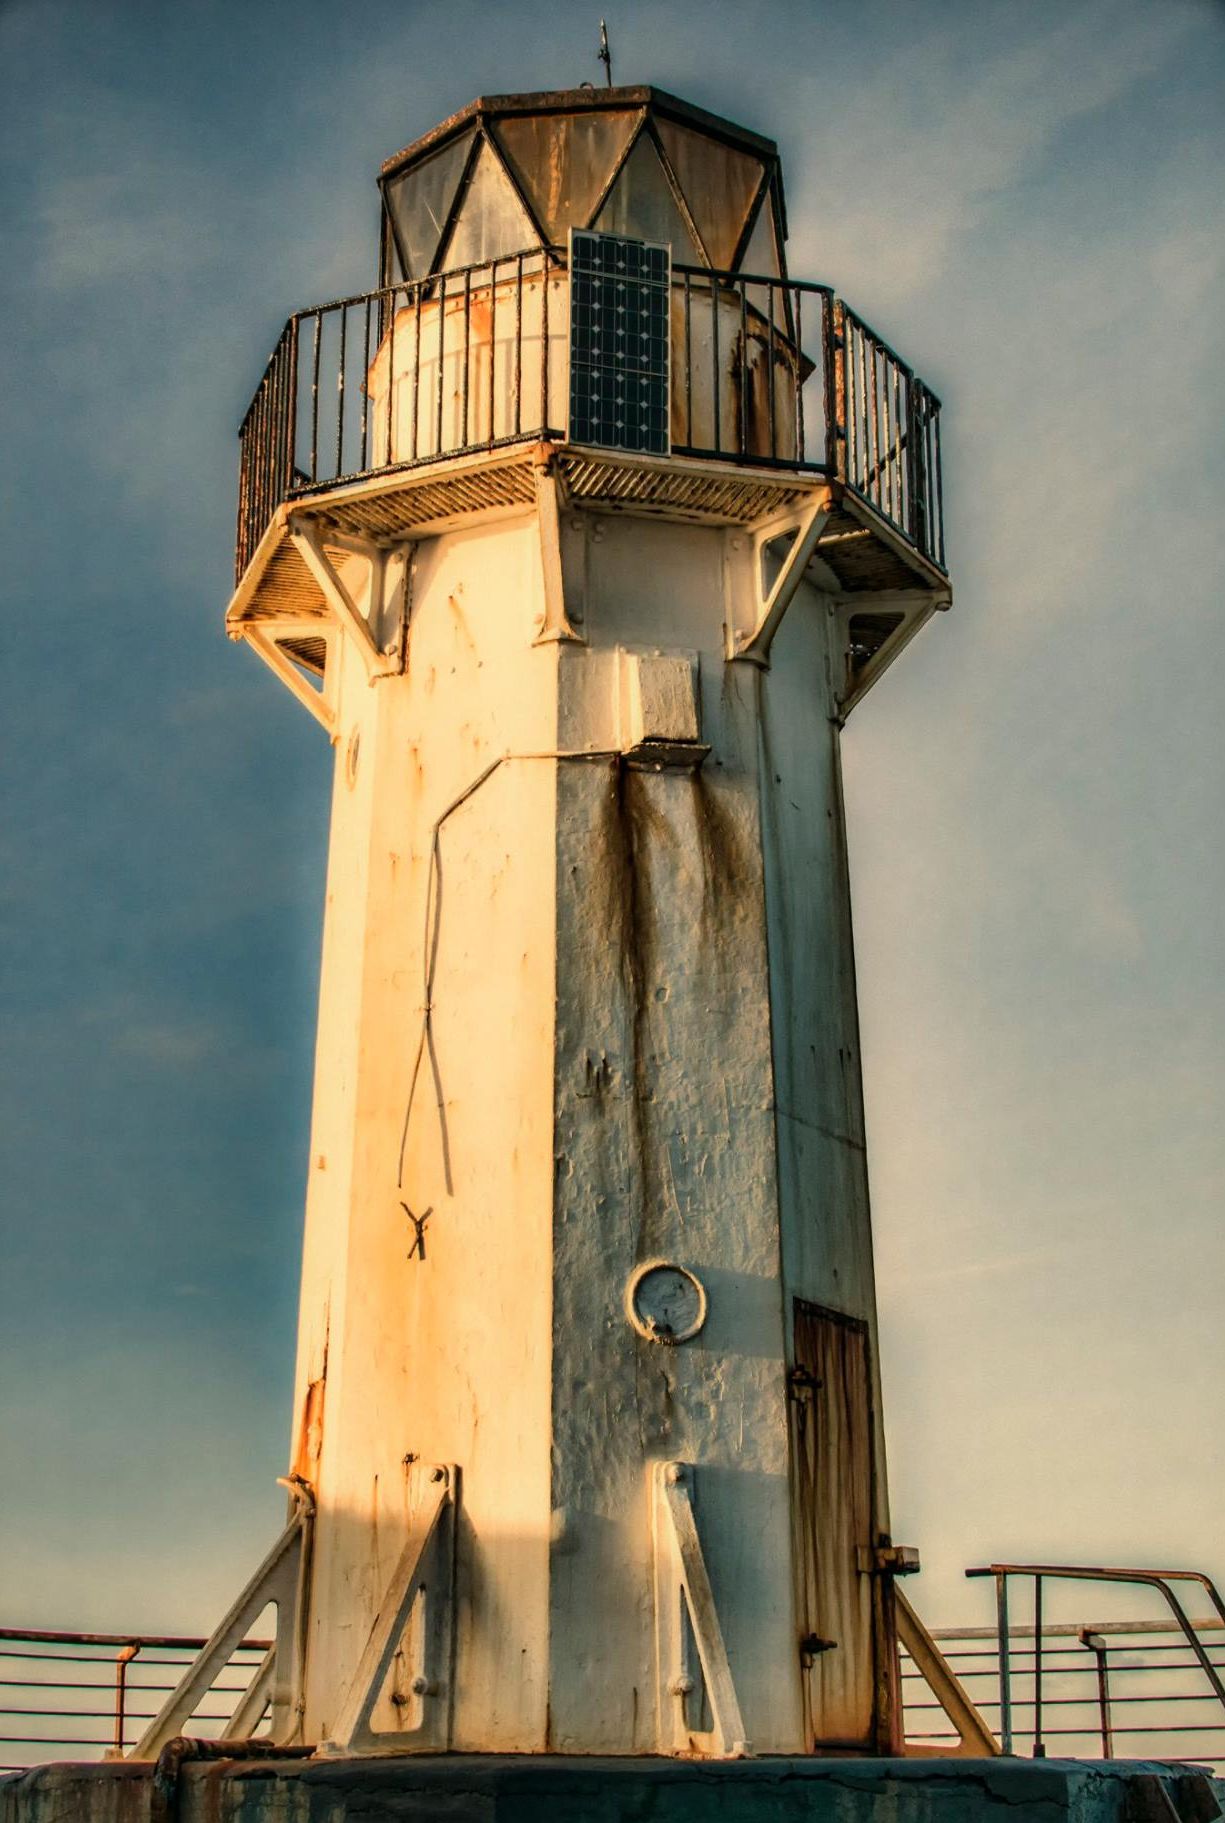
(605, 53)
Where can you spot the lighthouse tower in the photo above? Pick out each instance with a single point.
(580, 536)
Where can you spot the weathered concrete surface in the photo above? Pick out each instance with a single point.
(525, 1789)
(575, 1016)
(437, 1353)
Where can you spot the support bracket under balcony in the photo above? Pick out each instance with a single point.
(380, 659)
(876, 627)
(753, 642)
(274, 640)
(556, 623)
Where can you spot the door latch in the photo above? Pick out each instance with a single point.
(801, 1384)
(888, 1560)
(811, 1647)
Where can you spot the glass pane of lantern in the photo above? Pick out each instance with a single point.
(420, 203)
(718, 183)
(491, 220)
(761, 254)
(564, 162)
(642, 205)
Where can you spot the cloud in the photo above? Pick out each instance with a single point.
(957, 118)
(1007, 1265)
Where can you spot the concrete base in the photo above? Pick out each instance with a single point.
(472, 1788)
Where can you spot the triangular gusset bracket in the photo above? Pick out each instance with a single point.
(382, 656)
(974, 1738)
(415, 1621)
(280, 644)
(876, 627)
(555, 623)
(692, 1671)
(277, 1684)
(770, 601)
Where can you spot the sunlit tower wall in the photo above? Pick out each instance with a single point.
(580, 536)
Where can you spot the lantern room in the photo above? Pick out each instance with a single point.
(512, 172)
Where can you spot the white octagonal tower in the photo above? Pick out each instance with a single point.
(580, 536)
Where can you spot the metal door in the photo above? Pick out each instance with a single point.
(832, 1520)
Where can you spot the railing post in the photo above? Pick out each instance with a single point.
(914, 515)
(366, 363)
(1039, 1744)
(518, 343)
(835, 388)
(770, 364)
(340, 392)
(544, 344)
(1097, 1645)
(493, 351)
(715, 300)
(440, 389)
(800, 434)
(742, 357)
(389, 424)
(1004, 1653)
(316, 350)
(240, 528)
(122, 1660)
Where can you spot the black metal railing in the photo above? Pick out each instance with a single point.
(743, 390)
(267, 441)
(889, 424)
(478, 358)
(78, 1696)
(389, 379)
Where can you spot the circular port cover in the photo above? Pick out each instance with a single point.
(665, 1302)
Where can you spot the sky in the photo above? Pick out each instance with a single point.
(1025, 197)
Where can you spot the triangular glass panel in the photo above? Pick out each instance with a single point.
(420, 202)
(564, 161)
(761, 254)
(492, 222)
(643, 207)
(717, 182)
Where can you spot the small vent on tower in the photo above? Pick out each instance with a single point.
(310, 654)
(619, 292)
(866, 634)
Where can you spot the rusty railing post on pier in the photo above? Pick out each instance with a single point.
(123, 1659)
(1097, 1645)
(1161, 1581)
(1039, 1744)
(1005, 1662)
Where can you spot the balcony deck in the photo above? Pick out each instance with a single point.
(865, 554)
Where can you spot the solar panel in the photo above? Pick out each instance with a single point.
(619, 295)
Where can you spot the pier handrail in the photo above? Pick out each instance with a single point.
(1039, 1573)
